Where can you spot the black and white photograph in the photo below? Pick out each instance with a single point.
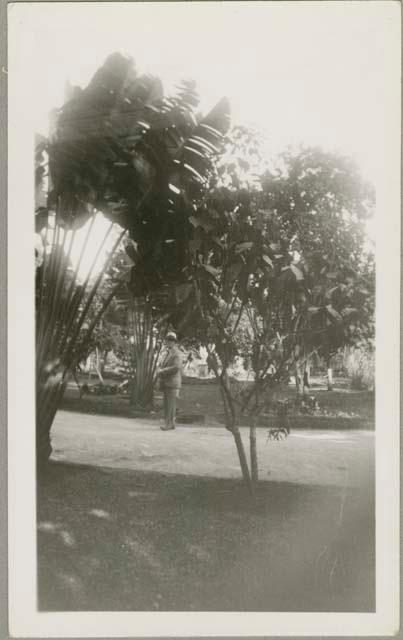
(204, 237)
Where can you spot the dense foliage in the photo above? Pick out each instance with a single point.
(118, 146)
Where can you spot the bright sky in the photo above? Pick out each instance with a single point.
(310, 73)
(302, 72)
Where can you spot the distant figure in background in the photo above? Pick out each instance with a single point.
(170, 375)
(212, 363)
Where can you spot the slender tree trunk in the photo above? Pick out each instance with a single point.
(104, 360)
(253, 453)
(230, 418)
(329, 375)
(242, 459)
(307, 374)
(98, 366)
(298, 380)
(305, 378)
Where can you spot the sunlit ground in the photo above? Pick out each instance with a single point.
(313, 457)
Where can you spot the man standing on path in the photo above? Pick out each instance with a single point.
(171, 380)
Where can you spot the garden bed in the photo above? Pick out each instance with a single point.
(201, 403)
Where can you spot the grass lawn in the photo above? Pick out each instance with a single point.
(123, 540)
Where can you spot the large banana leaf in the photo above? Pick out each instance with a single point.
(143, 159)
(119, 145)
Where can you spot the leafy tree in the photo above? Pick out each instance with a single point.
(118, 146)
(286, 268)
(233, 263)
(322, 205)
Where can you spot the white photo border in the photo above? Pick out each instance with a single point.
(25, 621)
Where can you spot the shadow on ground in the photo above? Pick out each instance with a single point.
(115, 540)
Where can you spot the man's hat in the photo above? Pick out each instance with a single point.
(171, 336)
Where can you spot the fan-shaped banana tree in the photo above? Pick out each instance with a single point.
(147, 334)
(144, 160)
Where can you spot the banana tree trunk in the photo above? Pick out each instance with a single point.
(65, 321)
(142, 393)
(48, 399)
(145, 352)
(43, 442)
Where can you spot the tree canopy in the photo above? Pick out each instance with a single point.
(143, 159)
(294, 249)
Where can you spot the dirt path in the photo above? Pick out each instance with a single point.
(330, 458)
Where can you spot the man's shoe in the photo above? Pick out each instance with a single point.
(167, 428)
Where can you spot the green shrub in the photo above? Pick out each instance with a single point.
(360, 367)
